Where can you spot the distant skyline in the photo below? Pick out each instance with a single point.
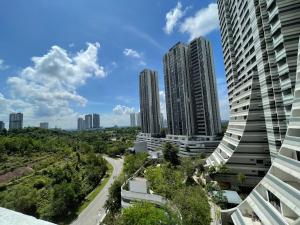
(60, 60)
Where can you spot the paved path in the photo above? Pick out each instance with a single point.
(95, 211)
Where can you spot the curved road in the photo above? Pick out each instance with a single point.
(95, 211)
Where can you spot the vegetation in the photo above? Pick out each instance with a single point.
(170, 153)
(147, 214)
(51, 174)
(132, 163)
(241, 178)
(173, 179)
(193, 204)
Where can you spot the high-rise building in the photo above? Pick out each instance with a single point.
(276, 199)
(15, 121)
(88, 119)
(80, 124)
(138, 119)
(96, 121)
(260, 39)
(177, 90)
(2, 125)
(44, 125)
(149, 102)
(260, 63)
(161, 120)
(132, 120)
(191, 93)
(203, 89)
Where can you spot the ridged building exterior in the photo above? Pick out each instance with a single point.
(149, 102)
(260, 41)
(276, 199)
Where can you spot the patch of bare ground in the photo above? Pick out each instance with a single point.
(16, 173)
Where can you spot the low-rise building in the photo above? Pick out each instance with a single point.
(187, 145)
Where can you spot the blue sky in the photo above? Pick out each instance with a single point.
(60, 59)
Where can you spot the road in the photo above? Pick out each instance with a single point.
(95, 211)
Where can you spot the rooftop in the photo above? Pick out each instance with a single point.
(10, 217)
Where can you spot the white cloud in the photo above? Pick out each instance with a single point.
(172, 18)
(2, 65)
(123, 110)
(48, 89)
(202, 23)
(134, 54)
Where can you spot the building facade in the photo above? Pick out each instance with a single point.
(260, 44)
(2, 125)
(80, 124)
(15, 121)
(138, 119)
(204, 97)
(276, 199)
(177, 90)
(191, 92)
(96, 121)
(132, 120)
(149, 102)
(88, 119)
(44, 125)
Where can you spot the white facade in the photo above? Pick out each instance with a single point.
(276, 199)
(187, 146)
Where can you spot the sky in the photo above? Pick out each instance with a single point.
(61, 59)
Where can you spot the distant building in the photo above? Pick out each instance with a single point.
(2, 125)
(138, 119)
(132, 120)
(96, 121)
(161, 120)
(88, 121)
(149, 102)
(80, 124)
(15, 121)
(44, 125)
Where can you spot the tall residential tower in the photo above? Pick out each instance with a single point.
(191, 92)
(260, 45)
(149, 102)
(15, 121)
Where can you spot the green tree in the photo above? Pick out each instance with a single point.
(241, 178)
(170, 153)
(133, 162)
(113, 203)
(193, 205)
(145, 214)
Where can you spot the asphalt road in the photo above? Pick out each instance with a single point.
(95, 211)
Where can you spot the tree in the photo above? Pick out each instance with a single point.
(193, 205)
(222, 168)
(113, 203)
(133, 162)
(170, 153)
(64, 200)
(241, 178)
(145, 214)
